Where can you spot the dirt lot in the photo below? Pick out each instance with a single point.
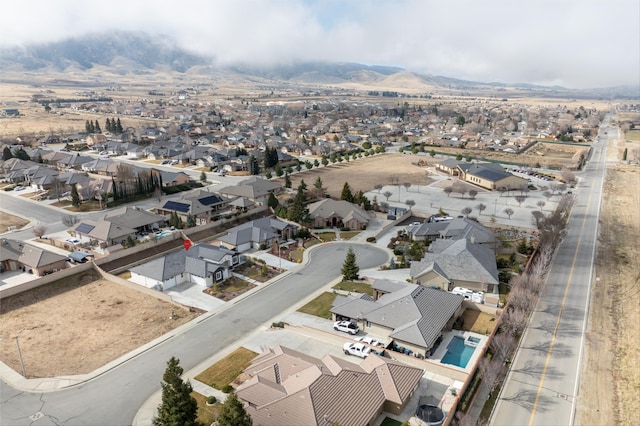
(78, 325)
(364, 173)
(7, 220)
(609, 391)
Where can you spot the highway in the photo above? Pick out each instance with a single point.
(542, 384)
(114, 397)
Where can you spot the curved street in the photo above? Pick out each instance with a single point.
(114, 397)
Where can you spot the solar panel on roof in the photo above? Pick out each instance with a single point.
(174, 205)
(85, 228)
(211, 199)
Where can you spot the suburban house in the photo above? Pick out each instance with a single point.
(411, 315)
(288, 387)
(202, 205)
(202, 264)
(449, 166)
(457, 263)
(173, 178)
(17, 255)
(329, 213)
(102, 166)
(454, 229)
(258, 234)
(255, 189)
(114, 227)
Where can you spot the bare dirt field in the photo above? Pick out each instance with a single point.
(76, 326)
(610, 381)
(7, 220)
(364, 173)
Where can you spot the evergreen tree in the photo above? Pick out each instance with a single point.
(278, 170)
(203, 177)
(107, 125)
(350, 268)
(299, 211)
(88, 126)
(21, 154)
(233, 413)
(75, 197)
(272, 201)
(254, 167)
(6, 154)
(118, 126)
(346, 195)
(287, 180)
(191, 221)
(97, 127)
(303, 185)
(178, 407)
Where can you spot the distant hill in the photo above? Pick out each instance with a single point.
(136, 53)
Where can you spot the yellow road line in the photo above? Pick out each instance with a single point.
(555, 330)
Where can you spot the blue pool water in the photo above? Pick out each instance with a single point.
(458, 353)
(163, 234)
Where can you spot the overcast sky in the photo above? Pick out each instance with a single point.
(573, 43)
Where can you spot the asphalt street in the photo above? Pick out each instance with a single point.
(542, 384)
(114, 397)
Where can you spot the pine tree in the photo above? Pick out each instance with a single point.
(191, 221)
(233, 413)
(97, 127)
(203, 177)
(346, 193)
(254, 167)
(272, 201)
(178, 407)
(6, 153)
(350, 268)
(299, 211)
(108, 125)
(287, 180)
(118, 126)
(75, 197)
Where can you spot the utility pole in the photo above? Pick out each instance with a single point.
(24, 372)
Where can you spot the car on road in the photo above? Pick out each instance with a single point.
(18, 188)
(356, 349)
(368, 340)
(346, 327)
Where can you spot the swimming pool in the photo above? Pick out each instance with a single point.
(458, 353)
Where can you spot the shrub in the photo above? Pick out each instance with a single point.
(227, 389)
(211, 400)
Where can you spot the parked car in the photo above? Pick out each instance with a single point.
(73, 241)
(18, 188)
(356, 349)
(346, 327)
(165, 162)
(368, 340)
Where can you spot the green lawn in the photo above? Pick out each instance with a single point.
(320, 306)
(390, 422)
(347, 235)
(355, 286)
(227, 369)
(327, 236)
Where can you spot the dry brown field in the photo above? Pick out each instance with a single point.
(610, 382)
(77, 326)
(7, 220)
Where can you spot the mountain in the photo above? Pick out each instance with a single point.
(129, 49)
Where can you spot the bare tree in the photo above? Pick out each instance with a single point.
(515, 321)
(481, 207)
(520, 298)
(387, 194)
(448, 190)
(502, 344)
(520, 199)
(492, 372)
(407, 185)
(537, 217)
(87, 192)
(466, 211)
(57, 188)
(69, 220)
(568, 176)
(547, 194)
(39, 230)
(473, 193)
(394, 179)
(410, 203)
(378, 187)
(508, 211)
(541, 204)
(562, 187)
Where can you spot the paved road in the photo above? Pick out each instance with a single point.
(542, 385)
(115, 397)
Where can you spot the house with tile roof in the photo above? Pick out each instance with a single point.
(16, 255)
(454, 229)
(288, 387)
(457, 263)
(257, 234)
(255, 189)
(411, 315)
(329, 213)
(202, 264)
(204, 206)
